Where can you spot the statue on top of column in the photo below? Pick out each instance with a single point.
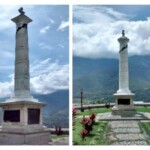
(21, 11)
(123, 33)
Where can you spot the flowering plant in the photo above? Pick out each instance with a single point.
(74, 112)
(92, 117)
(87, 124)
(83, 133)
(58, 130)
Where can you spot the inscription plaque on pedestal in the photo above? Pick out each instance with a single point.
(123, 101)
(33, 116)
(11, 116)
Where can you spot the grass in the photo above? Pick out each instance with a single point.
(103, 110)
(142, 109)
(55, 136)
(96, 137)
(100, 129)
(95, 111)
(146, 126)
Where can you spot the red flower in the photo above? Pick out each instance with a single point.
(84, 120)
(92, 117)
(83, 133)
(74, 110)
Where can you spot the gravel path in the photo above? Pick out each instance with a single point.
(126, 133)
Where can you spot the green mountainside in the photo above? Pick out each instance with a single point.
(99, 78)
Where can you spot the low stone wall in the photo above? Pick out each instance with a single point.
(107, 105)
(94, 106)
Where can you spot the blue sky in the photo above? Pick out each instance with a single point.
(139, 12)
(100, 26)
(48, 47)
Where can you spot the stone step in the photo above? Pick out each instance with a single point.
(126, 130)
(124, 124)
(130, 137)
(108, 116)
(126, 133)
(139, 142)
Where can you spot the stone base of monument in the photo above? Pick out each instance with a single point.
(124, 113)
(124, 105)
(22, 123)
(108, 116)
(21, 138)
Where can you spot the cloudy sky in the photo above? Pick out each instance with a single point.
(97, 28)
(48, 47)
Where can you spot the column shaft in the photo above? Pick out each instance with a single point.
(22, 83)
(123, 70)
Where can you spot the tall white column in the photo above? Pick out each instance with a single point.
(21, 112)
(123, 65)
(22, 77)
(123, 96)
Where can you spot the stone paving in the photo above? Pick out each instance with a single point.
(125, 130)
(130, 143)
(109, 116)
(126, 133)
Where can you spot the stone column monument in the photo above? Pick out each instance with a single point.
(22, 114)
(123, 103)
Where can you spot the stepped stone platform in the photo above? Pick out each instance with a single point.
(124, 116)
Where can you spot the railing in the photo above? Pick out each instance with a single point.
(107, 105)
(65, 131)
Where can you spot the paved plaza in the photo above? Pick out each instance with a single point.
(109, 116)
(126, 133)
(126, 130)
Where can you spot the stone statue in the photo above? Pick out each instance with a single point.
(123, 33)
(126, 45)
(21, 11)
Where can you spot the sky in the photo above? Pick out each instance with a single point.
(48, 36)
(96, 29)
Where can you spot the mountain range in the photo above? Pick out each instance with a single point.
(99, 78)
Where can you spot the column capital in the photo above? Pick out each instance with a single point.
(123, 38)
(22, 18)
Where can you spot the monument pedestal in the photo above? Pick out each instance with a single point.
(123, 104)
(22, 124)
(32, 138)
